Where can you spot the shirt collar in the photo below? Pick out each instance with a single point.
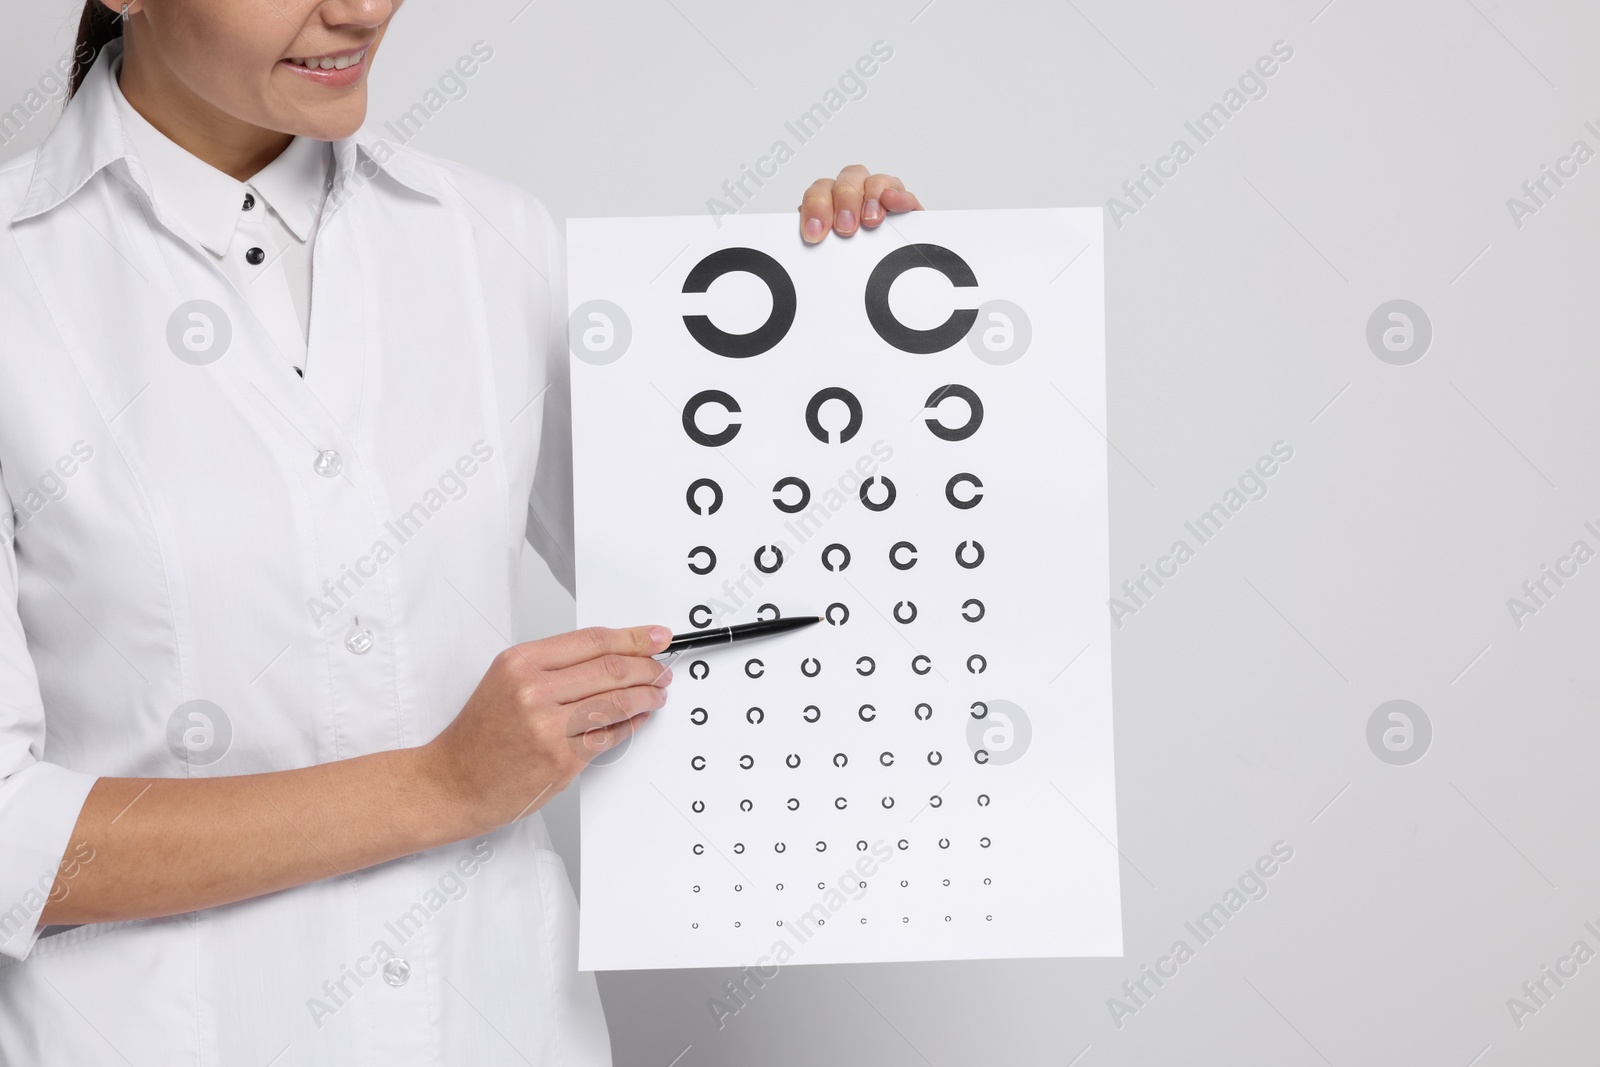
(295, 183)
(207, 201)
(92, 135)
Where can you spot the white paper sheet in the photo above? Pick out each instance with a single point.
(957, 806)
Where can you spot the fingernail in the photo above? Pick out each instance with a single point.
(665, 679)
(845, 221)
(660, 635)
(871, 211)
(813, 229)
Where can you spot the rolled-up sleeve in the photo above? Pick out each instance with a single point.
(550, 524)
(39, 801)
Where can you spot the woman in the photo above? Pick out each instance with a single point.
(279, 402)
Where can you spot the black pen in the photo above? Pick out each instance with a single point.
(723, 635)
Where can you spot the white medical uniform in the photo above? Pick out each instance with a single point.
(211, 565)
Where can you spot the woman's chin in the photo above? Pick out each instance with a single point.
(328, 123)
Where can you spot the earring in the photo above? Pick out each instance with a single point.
(124, 13)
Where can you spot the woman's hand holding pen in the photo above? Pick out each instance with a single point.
(542, 711)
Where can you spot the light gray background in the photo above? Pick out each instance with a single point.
(1419, 498)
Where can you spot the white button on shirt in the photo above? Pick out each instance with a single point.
(210, 566)
(259, 231)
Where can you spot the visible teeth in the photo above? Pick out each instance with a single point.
(326, 63)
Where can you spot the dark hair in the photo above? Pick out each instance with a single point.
(98, 26)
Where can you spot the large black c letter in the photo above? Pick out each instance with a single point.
(769, 333)
(896, 263)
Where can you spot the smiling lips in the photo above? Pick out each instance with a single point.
(342, 69)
